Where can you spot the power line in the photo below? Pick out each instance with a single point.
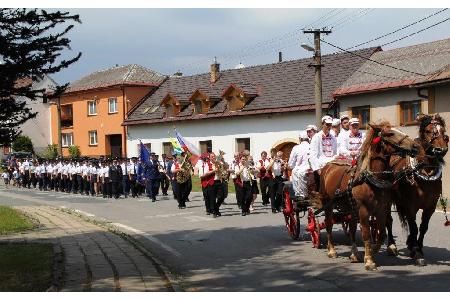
(366, 58)
(402, 28)
(345, 17)
(414, 33)
(352, 19)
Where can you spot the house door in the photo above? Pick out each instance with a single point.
(115, 144)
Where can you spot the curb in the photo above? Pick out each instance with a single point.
(172, 282)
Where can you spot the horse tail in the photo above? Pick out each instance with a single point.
(399, 205)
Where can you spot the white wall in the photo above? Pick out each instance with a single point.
(264, 132)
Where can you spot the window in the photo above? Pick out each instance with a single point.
(409, 111)
(242, 144)
(112, 106)
(205, 146)
(6, 150)
(66, 116)
(198, 106)
(167, 148)
(92, 108)
(93, 138)
(67, 139)
(363, 114)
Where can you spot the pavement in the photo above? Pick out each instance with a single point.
(251, 253)
(89, 257)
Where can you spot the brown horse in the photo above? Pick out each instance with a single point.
(364, 190)
(419, 184)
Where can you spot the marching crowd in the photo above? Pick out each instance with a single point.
(115, 177)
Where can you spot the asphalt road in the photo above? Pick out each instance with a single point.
(254, 253)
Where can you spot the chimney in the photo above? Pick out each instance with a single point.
(178, 74)
(215, 70)
(280, 56)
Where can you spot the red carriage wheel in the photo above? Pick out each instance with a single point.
(291, 217)
(314, 229)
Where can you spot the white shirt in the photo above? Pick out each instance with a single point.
(276, 168)
(106, 171)
(323, 149)
(232, 167)
(93, 170)
(42, 169)
(132, 169)
(26, 165)
(302, 160)
(351, 143)
(84, 170)
(204, 168)
(125, 169)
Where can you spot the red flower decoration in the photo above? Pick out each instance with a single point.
(376, 140)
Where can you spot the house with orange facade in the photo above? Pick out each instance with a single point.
(94, 107)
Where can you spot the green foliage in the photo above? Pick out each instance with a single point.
(13, 221)
(444, 203)
(23, 143)
(74, 151)
(51, 152)
(25, 267)
(31, 46)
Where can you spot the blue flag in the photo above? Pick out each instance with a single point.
(143, 153)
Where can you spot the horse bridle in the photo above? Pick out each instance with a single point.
(434, 151)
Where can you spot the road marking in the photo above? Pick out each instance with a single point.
(169, 215)
(194, 219)
(149, 237)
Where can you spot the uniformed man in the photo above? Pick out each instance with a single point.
(236, 181)
(280, 175)
(335, 127)
(181, 189)
(115, 176)
(311, 130)
(344, 129)
(207, 173)
(141, 177)
(352, 142)
(170, 175)
(266, 180)
(323, 146)
(132, 176)
(243, 171)
(163, 175)
(125, 177)
(151, 175)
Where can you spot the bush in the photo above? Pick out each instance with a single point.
(23, 143)
(74, 151)
(51, 152)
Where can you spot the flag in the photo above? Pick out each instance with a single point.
(144, 155)
(176, 146)
(186, 145)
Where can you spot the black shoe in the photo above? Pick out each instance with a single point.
(218, 214)
(244, 213)
(187, 200)
(208, 213)
(274, 210)
(214, 216)
(153, 200)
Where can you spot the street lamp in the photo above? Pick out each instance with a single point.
(307, 47)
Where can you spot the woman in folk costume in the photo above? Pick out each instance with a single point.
(351, 143)
(323, 145)
(300, 165)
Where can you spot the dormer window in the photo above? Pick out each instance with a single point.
(171, 105)
(200, 102)
(237, 97)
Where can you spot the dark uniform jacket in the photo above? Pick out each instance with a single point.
(115, 173)
(151, 171)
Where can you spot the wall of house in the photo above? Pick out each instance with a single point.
(264, 131)
(134, 94)
(384, 106)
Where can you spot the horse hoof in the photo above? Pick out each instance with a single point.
(370, 266)
(354, 258)
(392, 250)
(332, 254)
(421, 262)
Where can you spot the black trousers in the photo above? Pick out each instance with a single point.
(33, 179)
(133, 185)
(165, 183)
(211, 195)
(174, 188)
(267, 190)
(247, 196)
(68, 184)
(92, 184)
(205, 199)
(75, 183)
(239, 194)
(86, 185)
(80, 183)
(278, 188)
(26, 179)
(105, 187)
(182, 189)
(115, 189)
(220, 194)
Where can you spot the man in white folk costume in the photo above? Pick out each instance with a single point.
(300, 165)
(323, 145)
(351, 143)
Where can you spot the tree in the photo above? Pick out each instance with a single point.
(74, 151)
(23, 143)
(51, 152)
(30, 47)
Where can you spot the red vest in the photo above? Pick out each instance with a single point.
(208, 180)
(262, 171)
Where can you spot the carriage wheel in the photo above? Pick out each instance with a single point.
(314, 229)
(291, 217)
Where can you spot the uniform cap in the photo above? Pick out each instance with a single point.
(336, 122)
(311, 127)
(327, 119)
(303, 135)
(354, 121)
(344, 117)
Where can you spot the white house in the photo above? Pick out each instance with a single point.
(254, 108)
(415, 80)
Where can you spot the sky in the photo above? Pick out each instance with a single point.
(187, 40)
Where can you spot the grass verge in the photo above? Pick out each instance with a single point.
(13, 221)
(25, 267)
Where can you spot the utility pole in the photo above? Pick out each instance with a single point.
(318, 72)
